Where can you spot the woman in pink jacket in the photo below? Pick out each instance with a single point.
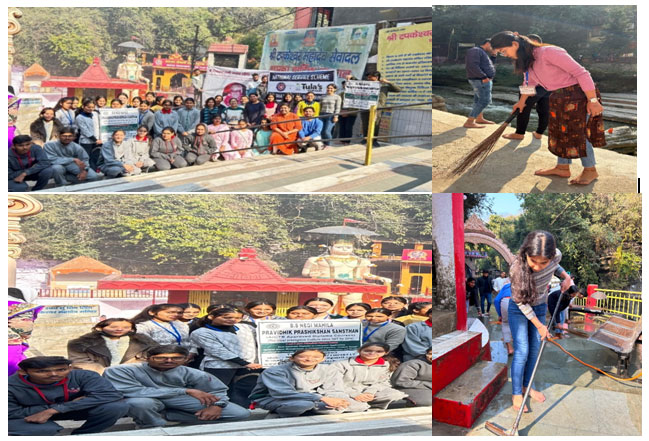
(576, 123)
(221, 134)
(240, 140)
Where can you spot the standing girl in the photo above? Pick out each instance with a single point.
(209, 111)
(112, 342)
(233, 114)
(88, 123)
(271, 105)
(357, 311)
(64, 113)
(300, 313)
(190, 313)
(397, 305)
(230, 352)
(46, 128)
(160, 322)
(531, 272)
(261, 310)
(377, 328)
(323, 306)
(366, 378)
(330, 106)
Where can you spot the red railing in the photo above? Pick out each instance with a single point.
(103, 293)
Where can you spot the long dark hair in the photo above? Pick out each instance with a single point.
(524, 54)
(99, 327)
(536, 243)
(148, 312)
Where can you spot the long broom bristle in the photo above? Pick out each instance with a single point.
(479, 154)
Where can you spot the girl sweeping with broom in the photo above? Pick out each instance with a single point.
(531, 272)
(576, 123)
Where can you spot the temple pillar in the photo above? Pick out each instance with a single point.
(19, 207)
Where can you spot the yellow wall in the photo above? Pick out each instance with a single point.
(165, 79)
(201, 298)
(406, 277)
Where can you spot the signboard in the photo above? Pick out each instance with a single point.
(418, 255)
(405, 58)
(113, 119)
(69, 311)
(229, 82)
(278, 339)
(361, 94)
(343, 48)
(300, 82)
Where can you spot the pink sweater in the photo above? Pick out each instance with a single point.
(554, 69)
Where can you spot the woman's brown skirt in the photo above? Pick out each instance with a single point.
(569, 128)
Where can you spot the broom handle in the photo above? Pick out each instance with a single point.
(512, 116)
(536, 365)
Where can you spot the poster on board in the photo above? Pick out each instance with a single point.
(113, 119)
(301, 83)
(278, 339)
(228, 82)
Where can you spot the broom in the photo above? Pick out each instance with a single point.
(479, 154)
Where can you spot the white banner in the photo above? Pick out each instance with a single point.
(361, 94)
(229, 82)
(279, 339)
(113, 119)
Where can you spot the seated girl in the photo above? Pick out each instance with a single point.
(167, 151)
(112, 342)
(366, 378)
(240, 142)
(262, 138)
(415, 378)
(200, 147)
(303, 386)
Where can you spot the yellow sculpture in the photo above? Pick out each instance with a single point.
(131, 70)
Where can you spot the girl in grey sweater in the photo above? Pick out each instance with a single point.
(377, 328)
(415, 378)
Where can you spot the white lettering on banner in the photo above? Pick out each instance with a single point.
(114, 119)
(361, 94)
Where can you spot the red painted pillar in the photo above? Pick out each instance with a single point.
(589, 325)
(458, 250)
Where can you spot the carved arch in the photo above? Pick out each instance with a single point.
(475, 231)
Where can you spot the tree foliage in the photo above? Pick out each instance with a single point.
(190, 234)
(65, 40)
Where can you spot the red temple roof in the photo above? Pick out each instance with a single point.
(245, 268)
(94, 77)
(36, 70)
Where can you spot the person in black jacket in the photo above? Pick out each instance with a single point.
(480, 72)
(485, 287)
(472, 295)
(47, 389)
(28, 162)
(46, 128)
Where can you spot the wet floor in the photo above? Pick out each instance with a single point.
(579, 401)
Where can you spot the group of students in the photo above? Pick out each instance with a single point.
(168, 365)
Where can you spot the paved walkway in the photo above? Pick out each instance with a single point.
(579, 401)
(510, 166)
(395, 168)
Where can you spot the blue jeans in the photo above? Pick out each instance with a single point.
(483, 297)
(327, 127)
(588, 160)
(481, 96)
(527, 342)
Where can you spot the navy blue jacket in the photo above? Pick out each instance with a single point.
(96, 390)
(479, 65)
(37, 160)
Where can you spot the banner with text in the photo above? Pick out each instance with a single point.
(113, 119)
(343, 48)
(361, 94)
(228, 82)
(281, 83)
(405, 58)
(68, 311)
(279, 339)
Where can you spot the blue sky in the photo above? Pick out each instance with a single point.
(504, 204)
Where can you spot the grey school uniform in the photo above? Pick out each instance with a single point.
(390, 334)
(360, 378)
(419, 339)
(289, 390)
(221, 346)
(62, 158)
(415, 378)
(150, 391)
(162, 333)
(162, 152)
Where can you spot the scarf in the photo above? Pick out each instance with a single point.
(166, 112)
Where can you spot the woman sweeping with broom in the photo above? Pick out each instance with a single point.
(572, 134)
(531, 272)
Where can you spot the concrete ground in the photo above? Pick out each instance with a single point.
(579, 401)
(510, 166)
(394, 168)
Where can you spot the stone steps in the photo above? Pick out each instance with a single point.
(462, 401)
(405, 421)
(453, 354)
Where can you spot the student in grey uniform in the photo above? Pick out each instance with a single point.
(70, 161)
(230, 352)
(366, 378)
(415, 378)
(166, 117)
(167, 151)
(163, 384)
(419, 337)
(160, 323)
(303, 386)
(145, 117)
(377, 328)
(188, 117)
(200, 146)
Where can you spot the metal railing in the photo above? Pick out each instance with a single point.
(103, 293)
(617, 302)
